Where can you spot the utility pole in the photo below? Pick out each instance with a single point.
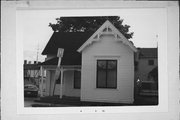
(157, 40)
(37, 53)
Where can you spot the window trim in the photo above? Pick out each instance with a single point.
(106, 87)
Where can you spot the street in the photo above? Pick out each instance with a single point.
(29, 101)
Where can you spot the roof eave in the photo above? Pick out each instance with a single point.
(80, 49)
(90, 40)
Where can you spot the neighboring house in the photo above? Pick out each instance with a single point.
(32, 74)
(146, 62)
(96, 66)
(147, 71)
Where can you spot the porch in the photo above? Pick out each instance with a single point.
(68, 82)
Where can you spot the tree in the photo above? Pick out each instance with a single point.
(89, 24)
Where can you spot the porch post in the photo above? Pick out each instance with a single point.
(61, 85)
(41, 83)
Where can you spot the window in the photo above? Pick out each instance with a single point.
(106, 73)
(77, 79)
(150, 62)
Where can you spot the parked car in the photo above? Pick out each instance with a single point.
(30, 90)
(149, 88)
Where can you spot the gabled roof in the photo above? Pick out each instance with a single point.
(68, 59)
(148, 52)
(70, 41)
(75, 59)
(107, 28)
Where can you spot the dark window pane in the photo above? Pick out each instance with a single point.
(101, 78)
(101, 64)
(111, 79)
(112, 64)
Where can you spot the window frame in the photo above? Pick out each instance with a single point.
(106, 81)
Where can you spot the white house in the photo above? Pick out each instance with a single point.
(96, 67)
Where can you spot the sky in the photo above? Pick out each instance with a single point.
(147, 25)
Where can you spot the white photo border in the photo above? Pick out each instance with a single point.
(166, 90)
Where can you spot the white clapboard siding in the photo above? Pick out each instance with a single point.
(108, 48)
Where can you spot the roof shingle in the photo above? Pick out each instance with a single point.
(70, 41)
(148, 52)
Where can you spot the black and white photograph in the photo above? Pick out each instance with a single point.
(91, 60)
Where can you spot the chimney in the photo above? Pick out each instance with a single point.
(25, 61)
(29, 62)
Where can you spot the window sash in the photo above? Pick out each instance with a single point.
(105, 73)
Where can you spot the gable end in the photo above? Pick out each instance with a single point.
(107, 29)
